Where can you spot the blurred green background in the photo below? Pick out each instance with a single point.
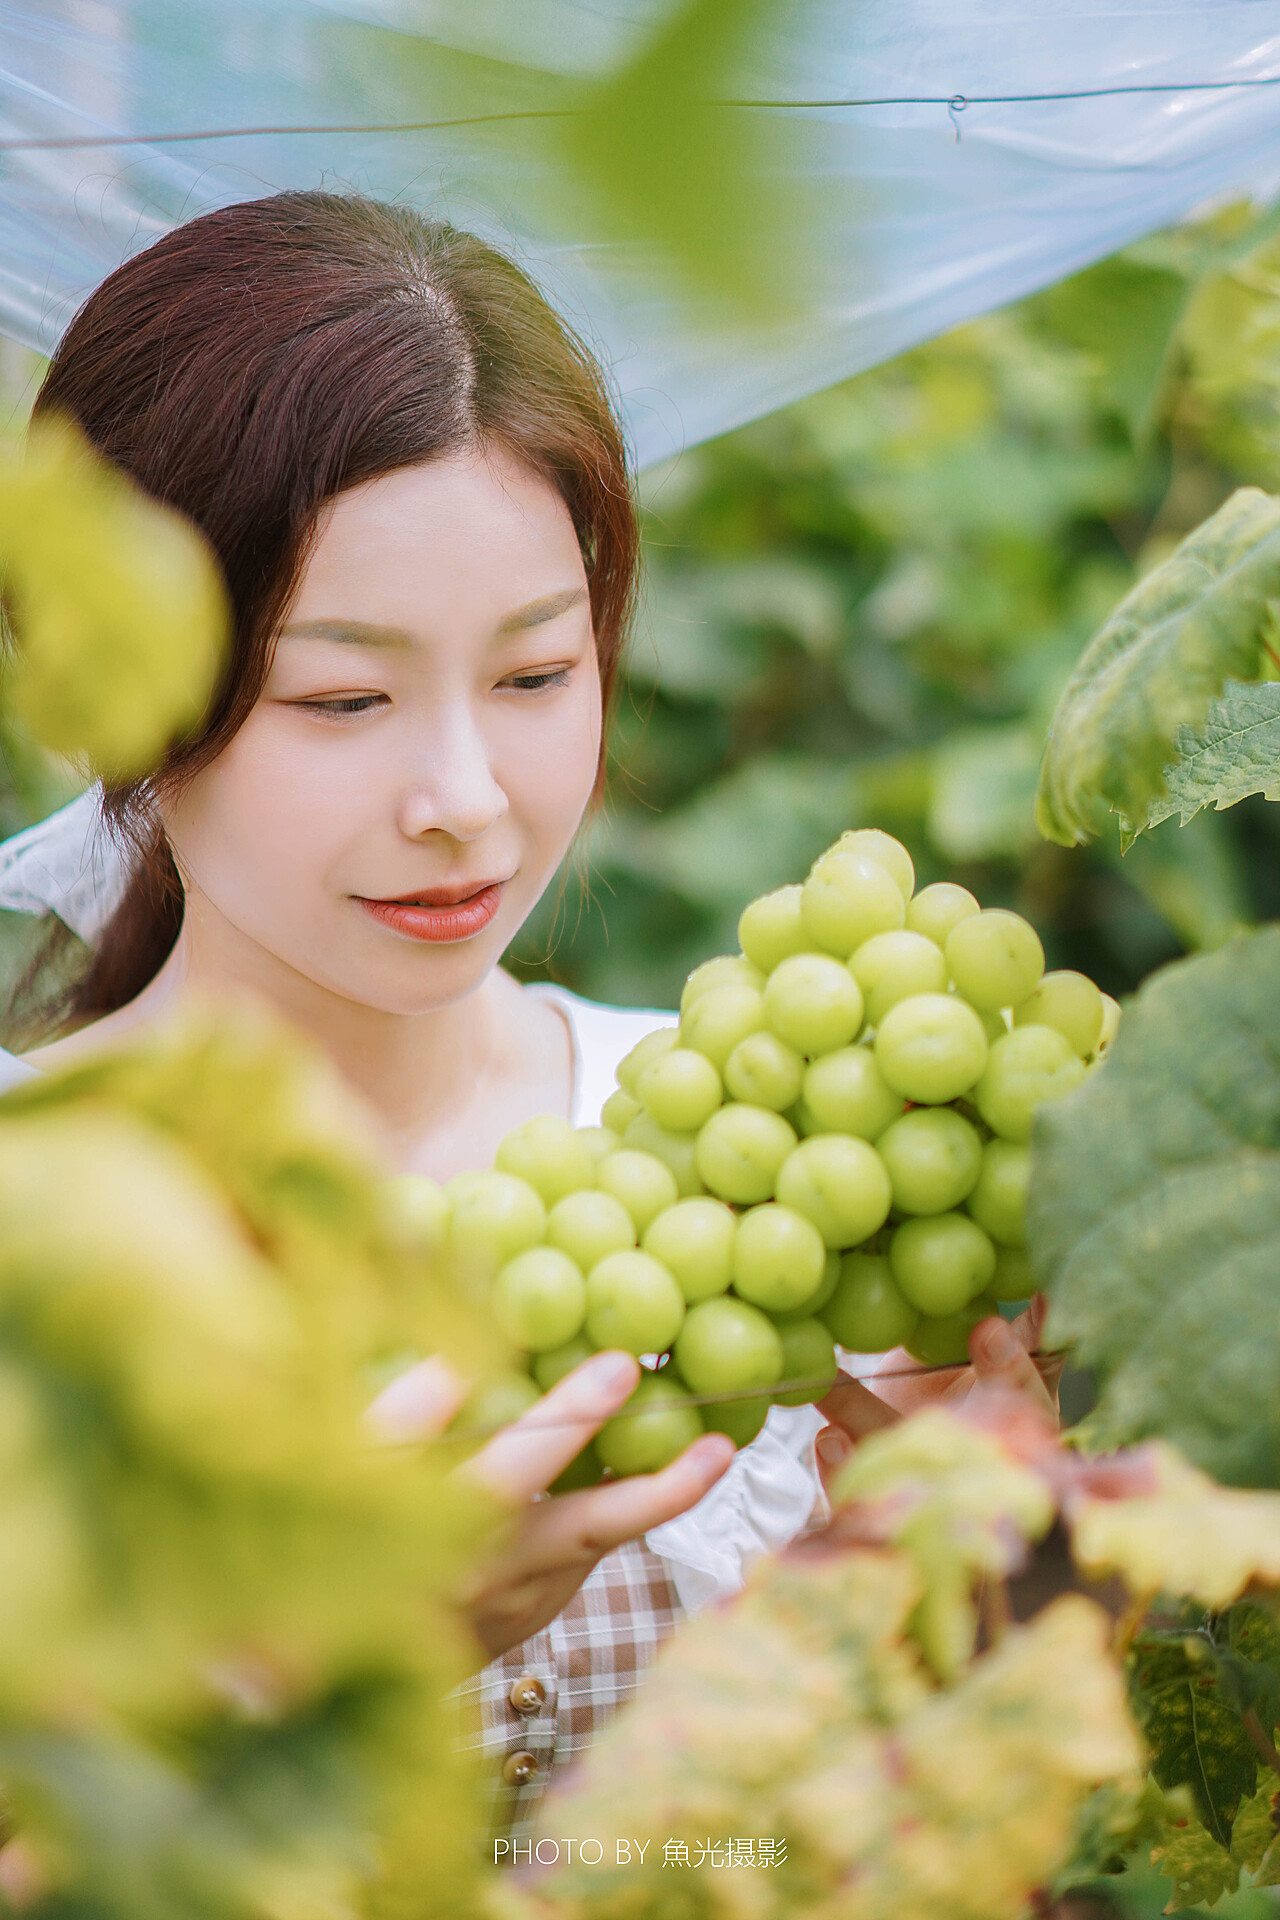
(861, 610)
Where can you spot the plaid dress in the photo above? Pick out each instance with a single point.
(589, 1661)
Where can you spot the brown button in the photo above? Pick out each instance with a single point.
(519, 1767)
(528, 1695)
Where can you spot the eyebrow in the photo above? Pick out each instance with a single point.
(363, 633)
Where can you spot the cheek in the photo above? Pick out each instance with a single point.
(263, 806)
(549, 788)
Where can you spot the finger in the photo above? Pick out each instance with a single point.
(1000, 1359)
(526, 1456)
(583, 1526)
(850, 1406)
(831, 1447)
(418, 1404)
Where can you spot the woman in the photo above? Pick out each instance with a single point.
(413, 479)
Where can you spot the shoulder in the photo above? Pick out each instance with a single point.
(601, 1036)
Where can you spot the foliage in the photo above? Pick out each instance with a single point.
(1154, 1211)
(228, 1634)
(119, 612)
(1155, 665)
(865, 608)
(1234, 752)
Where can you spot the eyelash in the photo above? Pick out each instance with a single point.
(362, 702)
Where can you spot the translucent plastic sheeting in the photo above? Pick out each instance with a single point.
(922, 215)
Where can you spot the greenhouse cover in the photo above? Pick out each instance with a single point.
(943, 158)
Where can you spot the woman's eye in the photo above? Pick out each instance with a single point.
(354, 703)
(534, 682)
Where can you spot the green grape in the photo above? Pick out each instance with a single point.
(936, 909)
(728, 1346)
(600, 1142)
(942, 1340)
(931, 1048)
(633, 1303)
(1026, 1068)
(778, 1257)
(814, 1302)
(845, 1092)
(1071, 1003)
(742, 1420)
(725, 970)
(840, 1184)
(868, 1313)
(999, 1200)
(495, 1403)
(1014, 1277)
(494, 1217)
(650, 1430)
(619, 1110)
(846, 899)
(588, 1225)
(933, 1157)
(549, 1155)
(892, 966)
(675, 1150)
(764, 1072)
(995, 958)
(680, 1090)
(551, 1367)
(1110, 1024)
(994, 1023)
(720, 1018)
(582, 1471)
(643, 1054)
(740, 1150)
(887, 852)
(813, 1003)
(941, 1262)
(540, 1299)
(643, 1183)
(772, 927)
(808, 1353)
(415, 1212)
(694, 1241)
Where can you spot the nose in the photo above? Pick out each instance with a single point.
(454, 790)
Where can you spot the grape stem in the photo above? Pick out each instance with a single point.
(1257, 1733)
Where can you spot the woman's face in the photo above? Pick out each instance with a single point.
(423, 749)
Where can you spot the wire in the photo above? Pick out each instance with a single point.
(954, 103)
(529, 1424)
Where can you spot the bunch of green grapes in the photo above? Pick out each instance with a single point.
(830, 1149)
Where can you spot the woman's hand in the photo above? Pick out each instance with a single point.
(550, 1544)
(1001, 1354)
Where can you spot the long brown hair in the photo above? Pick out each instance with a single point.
(267, 356)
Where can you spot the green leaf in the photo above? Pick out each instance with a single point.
(1196, 1737)
(1155, 666)
(1125, 314)
(1235, 751)
(1154, 1214)
(118, 607)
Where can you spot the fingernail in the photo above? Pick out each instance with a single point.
(999, 1345)
(610, 1370)
(709, 1448)
(832, 1446)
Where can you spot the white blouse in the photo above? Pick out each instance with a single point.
(771, 1487)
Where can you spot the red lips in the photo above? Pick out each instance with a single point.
(440, 913)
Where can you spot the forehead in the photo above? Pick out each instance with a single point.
(475, 527)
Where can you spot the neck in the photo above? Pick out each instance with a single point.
(419, 1072)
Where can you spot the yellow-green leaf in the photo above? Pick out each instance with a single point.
(118, 613)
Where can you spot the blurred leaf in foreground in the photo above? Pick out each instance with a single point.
(118, 615)
(227, 1631)
(1154, 1214)
(1155, 666)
